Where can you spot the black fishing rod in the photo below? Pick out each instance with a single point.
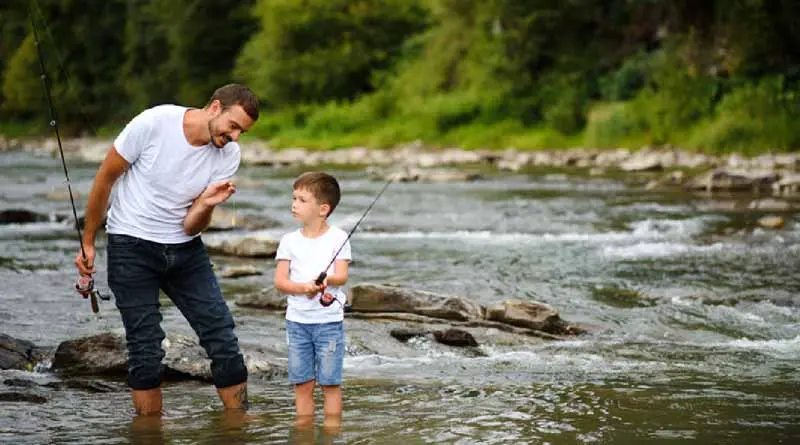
(327, 299)
(85, 284)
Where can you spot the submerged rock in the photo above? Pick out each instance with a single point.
(455, 337)
(22, 216)
(733, 180)
(19, 354)
(21, 397)
(450, 337)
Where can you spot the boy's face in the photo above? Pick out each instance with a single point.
(306, 207)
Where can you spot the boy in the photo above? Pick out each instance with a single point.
(314, 313)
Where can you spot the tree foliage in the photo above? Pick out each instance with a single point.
(609, 71)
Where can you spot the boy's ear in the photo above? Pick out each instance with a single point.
(324, 209)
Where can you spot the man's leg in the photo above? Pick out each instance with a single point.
(133, 276)
(191, 284)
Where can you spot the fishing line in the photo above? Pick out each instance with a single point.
(327, 299)
(84, 285)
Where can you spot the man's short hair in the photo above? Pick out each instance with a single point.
(236, 94)
(323, 186)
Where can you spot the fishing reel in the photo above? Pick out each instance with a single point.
(327, 299)
(85, 287)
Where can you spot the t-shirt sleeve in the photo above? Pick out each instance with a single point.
(345, 253)
(284, 249)
(132, 140)
(229, 163)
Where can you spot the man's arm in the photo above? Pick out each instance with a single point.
(199, 215)
(113, 166)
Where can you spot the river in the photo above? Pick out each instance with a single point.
(696, 312)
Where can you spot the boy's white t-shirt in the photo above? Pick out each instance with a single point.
(151, 199)
(307, 259)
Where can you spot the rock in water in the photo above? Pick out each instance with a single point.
(267, 298)
(370, 297)
(771, 222)
(406, 334)
(21, 397)
(242, 270)
(538, 316)
(244, 247)
(455, 337)
(98, 354)
(185, 359)
(450, 337)
(18, 354)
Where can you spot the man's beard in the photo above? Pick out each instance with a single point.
(225, 138)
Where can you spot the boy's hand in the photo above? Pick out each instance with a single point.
(311, 289)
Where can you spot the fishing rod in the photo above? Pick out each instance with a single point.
(85, 284)
(328, 299)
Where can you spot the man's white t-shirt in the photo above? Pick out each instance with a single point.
(151, 199)
(308, 257)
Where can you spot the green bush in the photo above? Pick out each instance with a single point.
(612, 124)
(751, 118)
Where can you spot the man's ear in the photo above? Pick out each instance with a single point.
(215, 107)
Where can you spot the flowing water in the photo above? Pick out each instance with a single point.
(695, 312)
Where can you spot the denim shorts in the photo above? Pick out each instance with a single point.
(137, 270)
(316, 352)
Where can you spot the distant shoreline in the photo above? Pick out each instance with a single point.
(417, 154)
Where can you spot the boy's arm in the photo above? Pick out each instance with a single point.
(284, 285)
(338, 278)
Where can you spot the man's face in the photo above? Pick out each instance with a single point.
(228, 124)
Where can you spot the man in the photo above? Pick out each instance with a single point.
(169, 167)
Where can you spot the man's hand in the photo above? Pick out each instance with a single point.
(217, 193)
(85, 265)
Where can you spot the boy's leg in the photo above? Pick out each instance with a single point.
(304, 399)
(329, 345)
(134, 269)
(301, 367)
(191, 284)
(333, 400)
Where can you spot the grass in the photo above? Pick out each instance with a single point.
(463, 122)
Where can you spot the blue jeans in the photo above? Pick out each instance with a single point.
(316, 351)
(137, 269)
